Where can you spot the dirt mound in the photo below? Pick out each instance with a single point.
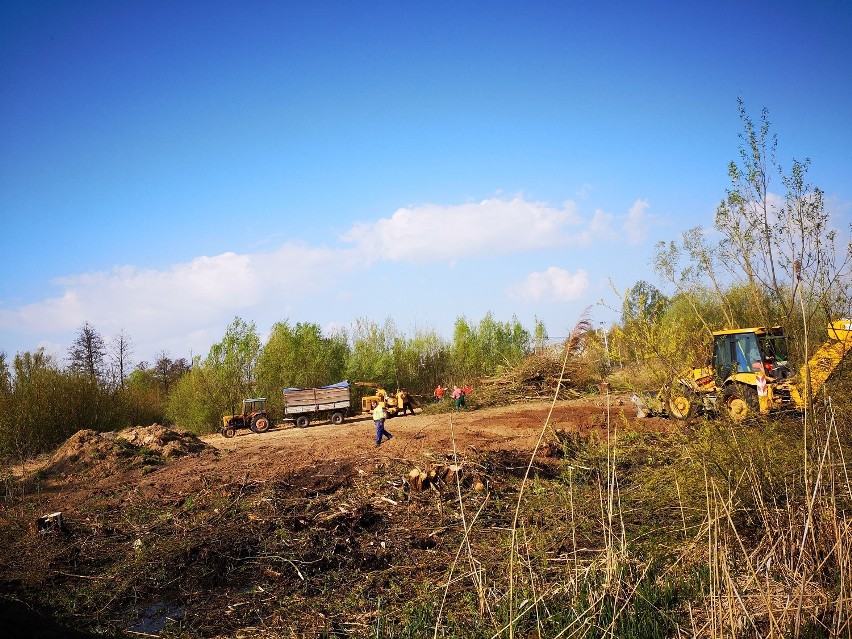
(89, 452)
(167, 442)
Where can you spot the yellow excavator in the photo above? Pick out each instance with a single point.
(749, 374)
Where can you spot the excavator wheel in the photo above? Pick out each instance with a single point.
(682, 406)
(741, 401)
(260, 423)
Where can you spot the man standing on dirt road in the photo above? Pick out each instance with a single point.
(407, 404)
(379, 416)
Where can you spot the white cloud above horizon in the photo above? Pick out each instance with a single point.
(494, 226)
(554, 284)
(187, 304)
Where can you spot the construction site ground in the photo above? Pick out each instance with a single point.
(417, 439)
(199, 526)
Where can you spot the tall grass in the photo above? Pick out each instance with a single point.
(760, 544)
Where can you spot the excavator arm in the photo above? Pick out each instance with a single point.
(823, 362)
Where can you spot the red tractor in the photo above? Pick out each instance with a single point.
(254, 416)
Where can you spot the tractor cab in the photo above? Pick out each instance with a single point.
(253, 406)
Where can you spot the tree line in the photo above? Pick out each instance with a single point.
(44, 401)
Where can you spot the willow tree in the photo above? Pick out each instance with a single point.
(371, 353)
(780, 249)
(781, 246)
(217, 384)
(486, 348)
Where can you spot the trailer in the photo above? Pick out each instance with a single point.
(304, 405)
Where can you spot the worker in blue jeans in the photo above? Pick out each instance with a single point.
(379, 416)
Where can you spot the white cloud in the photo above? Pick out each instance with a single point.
(185, 302)
(494, 226)
(186, 306)
(636, 224)
(554, 284)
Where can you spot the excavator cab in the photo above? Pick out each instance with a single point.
(747, 352)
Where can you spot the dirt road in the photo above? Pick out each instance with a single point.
(323, 449)
(515, 427)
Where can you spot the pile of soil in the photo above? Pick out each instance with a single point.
(164, 440)
(91, 453)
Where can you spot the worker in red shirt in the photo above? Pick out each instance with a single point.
(439, 393)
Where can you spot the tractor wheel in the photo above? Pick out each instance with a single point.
(302, 421)
(682, 405)
(741, 401)
(228, 432)
(260, 423)
(337, 419)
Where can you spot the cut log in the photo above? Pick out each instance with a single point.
(452, 473)
(418, 479)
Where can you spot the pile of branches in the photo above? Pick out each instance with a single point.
(535, 378)
(540, 375)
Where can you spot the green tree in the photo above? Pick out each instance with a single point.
(643, 305)
(540, 336)
(218, 384)
(196, 402)
(421, 362)
(232, 362)
(143, 397)
(46, 404)
(487, 348)
(371, 353)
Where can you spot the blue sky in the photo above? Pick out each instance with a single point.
(165, 166)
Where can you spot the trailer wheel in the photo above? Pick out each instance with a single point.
(228, 432)
(337, 419)
(260, 423)
(302, 421)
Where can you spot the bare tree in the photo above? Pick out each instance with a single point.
(122, 350)
(779, 250)
(167, 371)
(88, 352)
